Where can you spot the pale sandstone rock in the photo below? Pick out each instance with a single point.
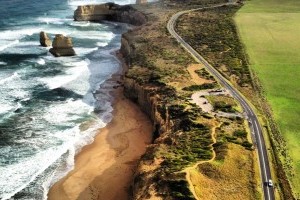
(110, 12)
(44, 39)
(92, 12)
(141, 1)
(62, 46)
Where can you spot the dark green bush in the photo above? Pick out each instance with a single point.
(240, 133)
(200, 87)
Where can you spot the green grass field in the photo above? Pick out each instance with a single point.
(270, 30)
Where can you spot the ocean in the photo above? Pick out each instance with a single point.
(50, 107)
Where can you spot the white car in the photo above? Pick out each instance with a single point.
(270, 183)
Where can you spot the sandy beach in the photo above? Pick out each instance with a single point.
(104, 169)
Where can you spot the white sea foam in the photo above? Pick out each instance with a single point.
(8, 44)
(18, 47)
(102, 44)
(75, 141)
(4, 108)
(84, 51)
(17, 34)
(87, 24)
(27, 44)
(14, 87)
(55, 31)
(95, 35)
(49, 20)
(10, 78)
(41, 61)
(16, 177)
(67, 112)
(102, 36)
(80, 24)
(61, 171)
(3, 63)
(71, 74)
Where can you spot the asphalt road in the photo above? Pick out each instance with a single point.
(256, 130)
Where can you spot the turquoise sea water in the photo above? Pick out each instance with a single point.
(50, 107)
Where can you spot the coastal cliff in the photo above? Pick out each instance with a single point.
(111, 12)
(186, 140)
(158, 174)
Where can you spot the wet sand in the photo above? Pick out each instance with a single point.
(104, 169)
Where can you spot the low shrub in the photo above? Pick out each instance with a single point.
(200, 87)
(240, 133)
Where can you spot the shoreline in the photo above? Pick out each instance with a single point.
(110, 161)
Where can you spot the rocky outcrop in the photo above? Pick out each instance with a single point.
(110, 12)
(127, 46)
(62, 46)
(149, 101)
(141, 1)
(44, 39)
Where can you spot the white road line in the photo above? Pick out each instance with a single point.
(263, 157)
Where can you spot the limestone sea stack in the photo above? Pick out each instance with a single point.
(44, 39)
(62, 46)
(110, 12)
(141, 1)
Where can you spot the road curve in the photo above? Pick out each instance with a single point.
(256, 130)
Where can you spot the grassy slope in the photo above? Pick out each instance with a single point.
(217, 180)
(270, 30)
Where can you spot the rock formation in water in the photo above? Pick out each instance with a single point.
(110, 12)
(44, 39)
(62, 46)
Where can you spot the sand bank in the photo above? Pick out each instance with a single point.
(104, 169)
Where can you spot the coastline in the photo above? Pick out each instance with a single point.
(104, 169)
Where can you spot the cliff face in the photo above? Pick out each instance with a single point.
(151, 180)
(145, 95)
(147, 173)
(141, 1)
(150, 103)
(111, 12)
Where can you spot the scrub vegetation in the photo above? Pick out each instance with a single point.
(214, 35)
(160, 63)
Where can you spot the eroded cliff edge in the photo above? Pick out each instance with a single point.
(110, 12)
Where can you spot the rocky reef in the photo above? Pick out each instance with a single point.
(110, 12)
(44, 39)
(62, 46)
